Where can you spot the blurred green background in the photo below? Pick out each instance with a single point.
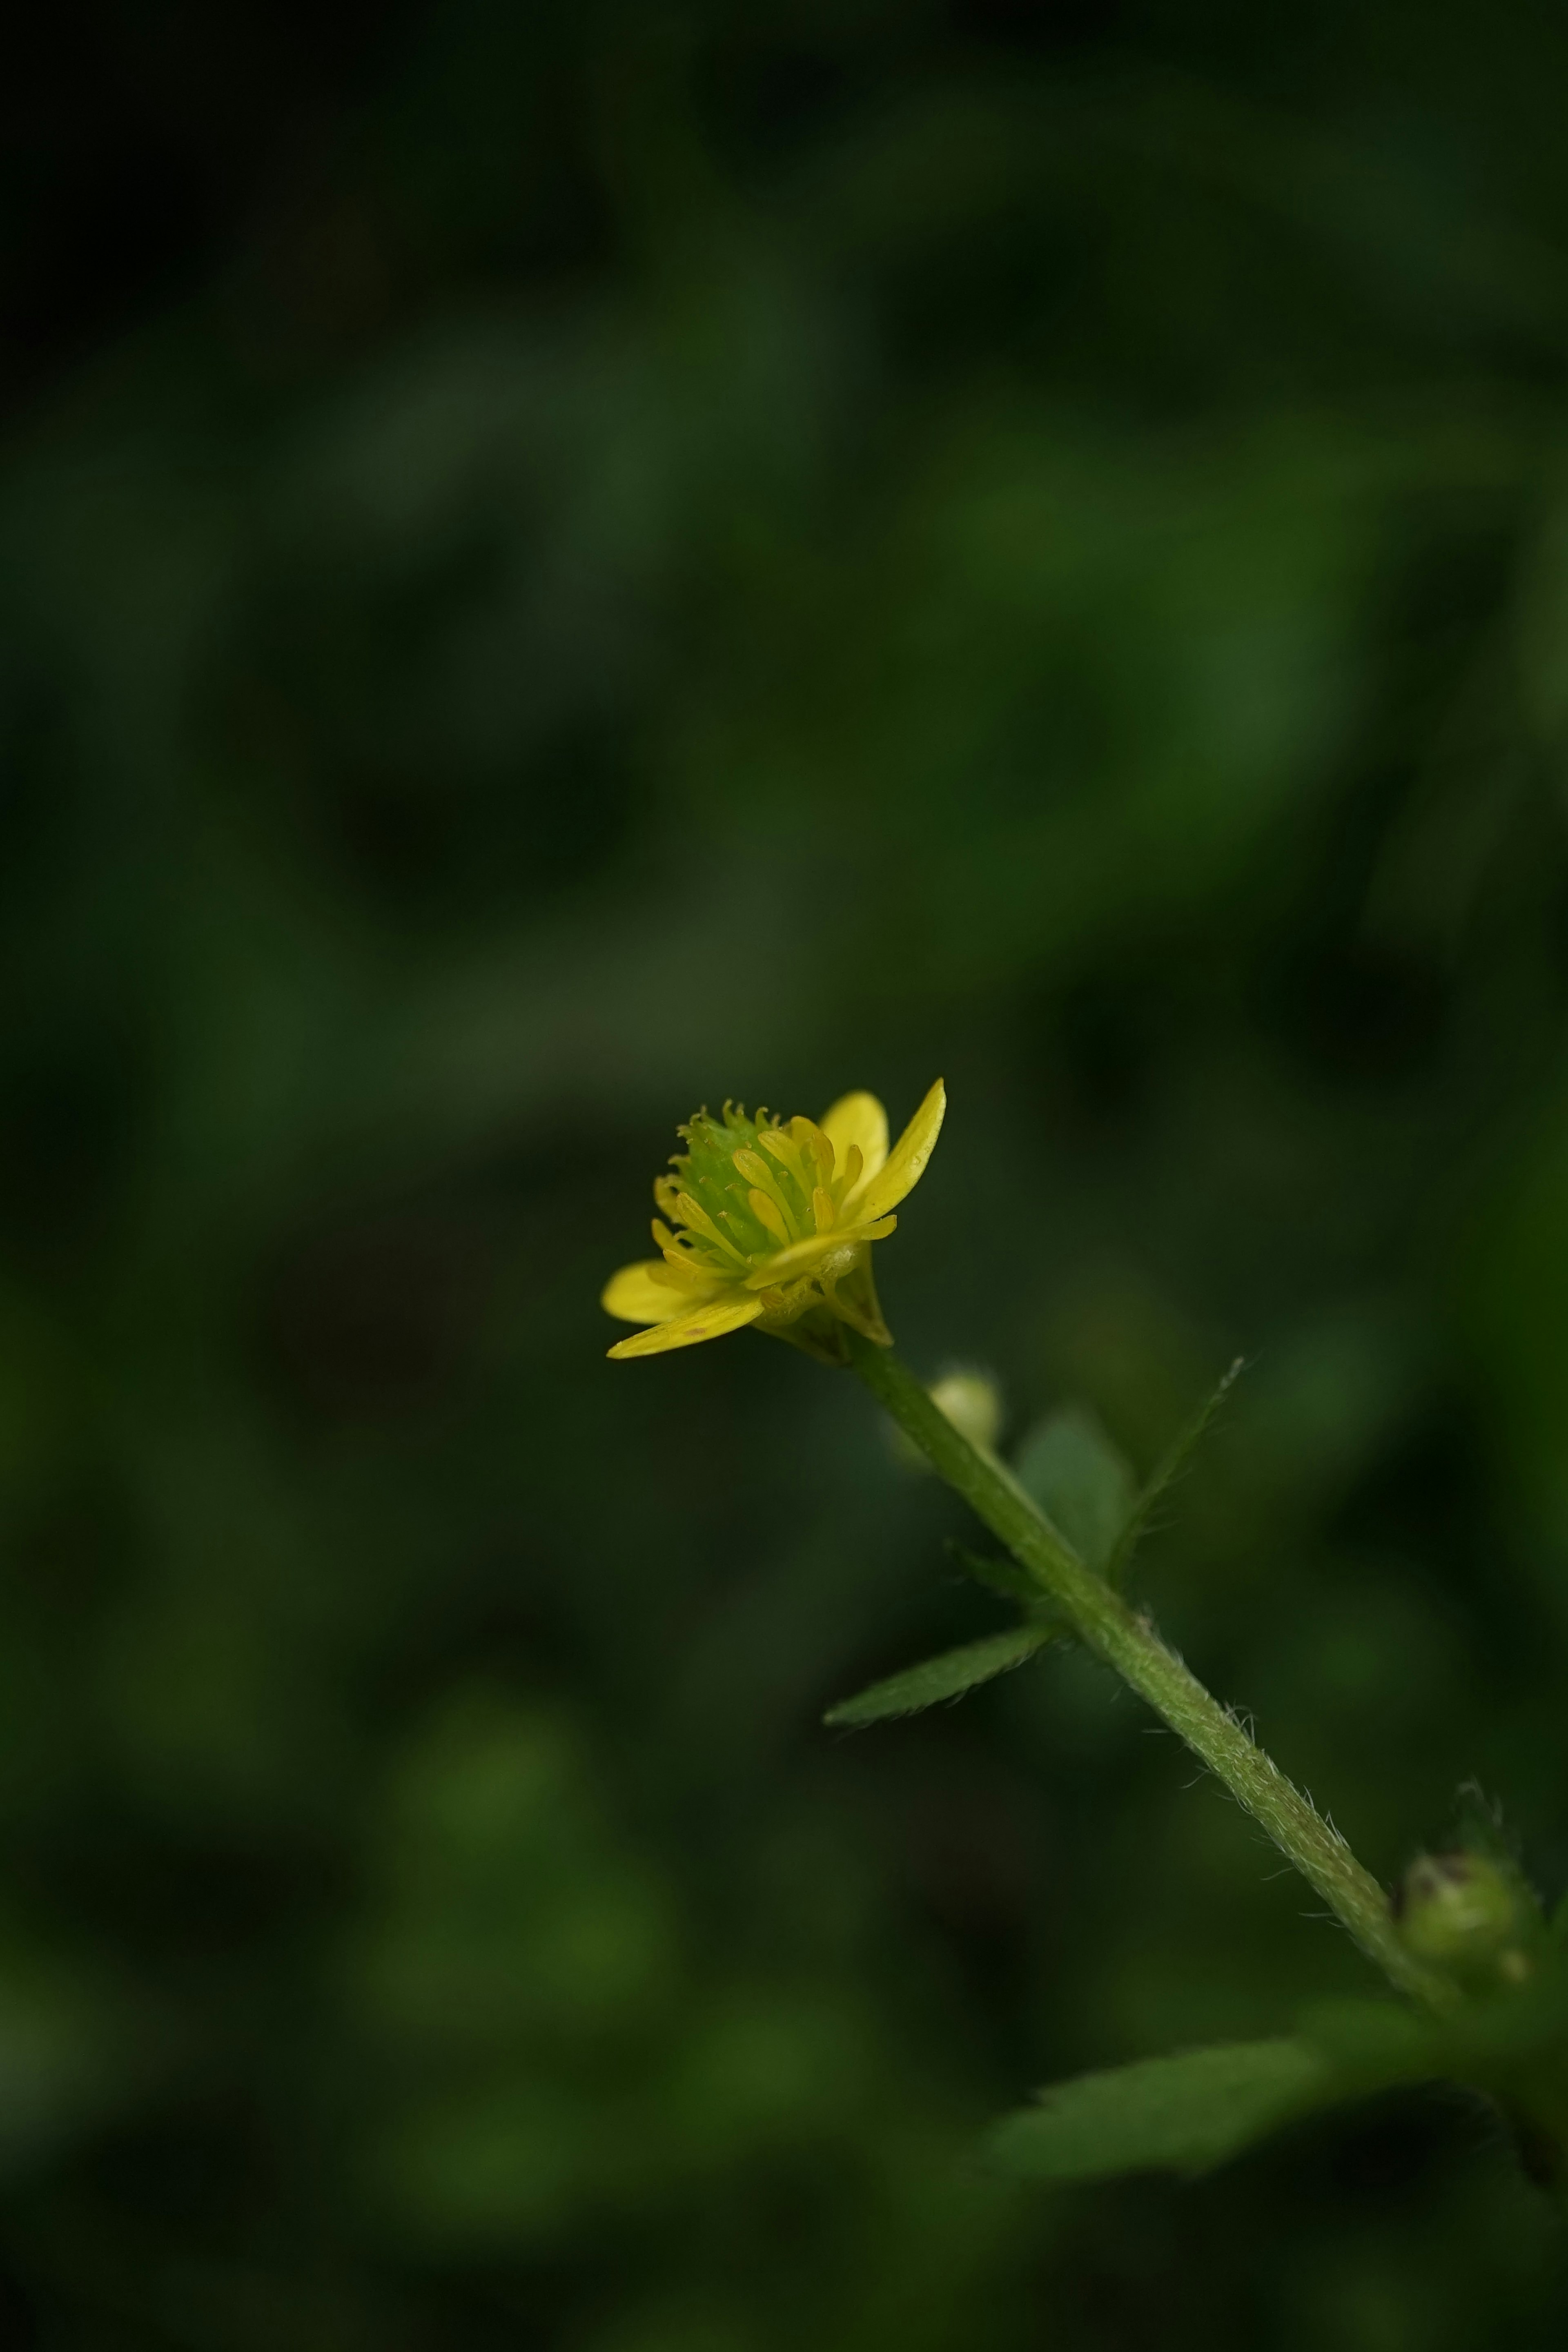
(558, 564)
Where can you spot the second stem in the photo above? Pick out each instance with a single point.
(1127, 1642)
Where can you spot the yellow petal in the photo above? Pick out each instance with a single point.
(789, 1264)
(907, 1160)
(857, 1119)
(684, 1274)
(639, 1295)
(729, 1312)
(877, 1230)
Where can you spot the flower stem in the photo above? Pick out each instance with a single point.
(1128, 1642)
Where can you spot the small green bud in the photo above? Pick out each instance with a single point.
(1472, 1918)
(972, 1402)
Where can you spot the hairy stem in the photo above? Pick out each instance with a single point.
(1127, 1642)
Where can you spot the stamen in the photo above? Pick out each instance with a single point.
(811, 1138)
(823, 1210)
(677, 1274)
(801, 1259)
(755, 1168)
(786, 1151)
(692, 1212)
(767, 1213)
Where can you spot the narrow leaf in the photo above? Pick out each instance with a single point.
(1371, 2045)
(1180, 2114)
(947, 1678)
(1069, 1466)
(1169, 1471)
(1186, 2112)
(1003, 1577)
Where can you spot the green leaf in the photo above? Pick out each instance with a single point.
(947, 1678)
(1512, 2043)
(1186, 2112)
(1169, 1471)
(1372, 2044)
(1180, 2114)
(1003, 1577)
(1069, 1466)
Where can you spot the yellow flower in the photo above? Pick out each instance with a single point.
(775, 1225)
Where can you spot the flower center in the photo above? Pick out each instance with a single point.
(744, 1189)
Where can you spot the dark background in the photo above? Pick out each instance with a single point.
(560, 563)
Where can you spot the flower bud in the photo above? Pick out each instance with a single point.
(972, 1402)
(973, 1405)
(1472, 1918)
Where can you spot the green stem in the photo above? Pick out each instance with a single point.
(1129, 1642)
